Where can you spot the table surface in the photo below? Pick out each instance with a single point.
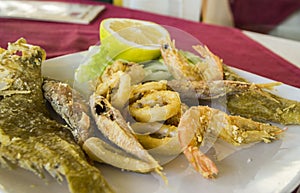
(286, 48)
(268, 56)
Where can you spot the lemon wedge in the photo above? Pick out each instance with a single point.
(131, 39)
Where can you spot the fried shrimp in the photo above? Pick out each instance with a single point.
(199, 121)
(215, 89)
(207, 68)
(212, 65)
(177, 64)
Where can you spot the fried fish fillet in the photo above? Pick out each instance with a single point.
(28, 137)
(242, 98)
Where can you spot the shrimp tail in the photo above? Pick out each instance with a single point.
(201, 162)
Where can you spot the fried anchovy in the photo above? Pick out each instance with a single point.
(114, 127)
(28, 137)
(71, 106)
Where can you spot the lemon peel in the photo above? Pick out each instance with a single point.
(131, 39)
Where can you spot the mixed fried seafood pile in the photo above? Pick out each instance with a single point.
(130, 113)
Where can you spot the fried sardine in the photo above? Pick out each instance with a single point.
(28, 137)
(71, 106)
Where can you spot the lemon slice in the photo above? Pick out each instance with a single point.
(132, 40)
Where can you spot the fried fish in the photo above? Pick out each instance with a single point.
(28, 137)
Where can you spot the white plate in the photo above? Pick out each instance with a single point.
(264, 168)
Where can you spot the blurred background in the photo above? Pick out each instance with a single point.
(275, 17)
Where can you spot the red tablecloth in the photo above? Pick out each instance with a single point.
(230, 44)
(262, 15)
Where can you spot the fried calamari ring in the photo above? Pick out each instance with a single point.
(137, 91)
(156, 106)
